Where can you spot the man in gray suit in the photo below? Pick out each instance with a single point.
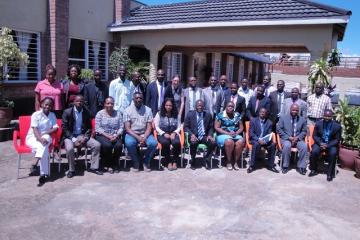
(192, 94)
(212, 93)
(294, 98)
(292, 129)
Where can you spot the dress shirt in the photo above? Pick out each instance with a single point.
(246, 93)
(317, 105)
(78, 122)
(121, 92)
(160, 94)
(42, 122)
(191, 98)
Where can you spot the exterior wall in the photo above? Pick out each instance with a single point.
(28, 15)
(88, 19)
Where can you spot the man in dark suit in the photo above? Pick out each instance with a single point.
(277, 99)
(76, 132)
(95, 94)
(292, 129)
(155, 92)
(257, 102)
(199, 126)
(261, 127)
(239, 101)
(327, 135)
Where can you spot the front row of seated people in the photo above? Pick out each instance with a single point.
(137, 121)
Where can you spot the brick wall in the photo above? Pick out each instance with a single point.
(299, 70)
(122, 10)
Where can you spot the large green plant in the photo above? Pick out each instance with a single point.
(349, 118)
(87, 74)
(121, 56)
(10, 56)
(319, 72)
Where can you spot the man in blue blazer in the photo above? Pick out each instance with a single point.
(327, 135)
(155, 92)
(233, 96)
(257, 102)
(261, 127)
(292, 129)
(200, 127)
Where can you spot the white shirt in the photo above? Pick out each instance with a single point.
(191, 99)
(247, 94)
(42, 122)
(78, 122)
(121, 92)
(158, 84)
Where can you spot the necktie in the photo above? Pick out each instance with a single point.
(279, 102)
(200, 125)
(262, 128)
(233, 99)
(213, 94)
(293, 127)
(257, 105)
(193, 99)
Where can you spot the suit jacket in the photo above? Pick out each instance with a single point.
(142, 87)
(274, 110)
(187, 100)
(210, 102)
(190, 125)
(240, 105)
(285, 127)
(220, 101)
(302, 107)
(152, 97)
(255, 129)
(250, 110)
(94, 96)
(335, 133)
(68, 121)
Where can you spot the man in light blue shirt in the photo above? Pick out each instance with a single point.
(120, 90)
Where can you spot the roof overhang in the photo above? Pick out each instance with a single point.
(280, 22)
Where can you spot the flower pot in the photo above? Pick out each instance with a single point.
(347, 157)
(6, 115)
(357, 166)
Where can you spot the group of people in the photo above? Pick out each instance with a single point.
(128, 111)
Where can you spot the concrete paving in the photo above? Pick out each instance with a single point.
(184, 204)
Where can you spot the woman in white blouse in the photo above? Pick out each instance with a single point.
(167, 124)
(43, 124)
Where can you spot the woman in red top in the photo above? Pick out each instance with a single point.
(74, 85)
(50, 87)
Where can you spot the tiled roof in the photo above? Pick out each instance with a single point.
(229, 11)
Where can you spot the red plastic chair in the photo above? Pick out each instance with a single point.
(22, 148)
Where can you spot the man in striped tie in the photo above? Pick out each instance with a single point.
(199, 126)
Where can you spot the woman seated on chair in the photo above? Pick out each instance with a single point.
(43, 123)
(109, 127)
(229, 127)
(167, 125)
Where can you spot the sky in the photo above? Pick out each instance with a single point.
(351, 42)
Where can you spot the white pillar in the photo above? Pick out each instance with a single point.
(154, 52)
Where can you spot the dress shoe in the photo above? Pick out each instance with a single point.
(229, 167)
(236, 167)
(174, 166)
(329, 178)
(250, 169)
(96, 171)
(273, 169)
(134, 169)
(170, 167)
(302, 171)
(192, 166)
(110, 170)
(70, 174)
(116, 170)
(313, 173)
(42, 180)
(285, 170)
(146, 168)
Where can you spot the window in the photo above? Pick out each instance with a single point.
(172, 64)
(176, 64)
(230, 71)
(217, 69)
(89, 54)
(29, 43)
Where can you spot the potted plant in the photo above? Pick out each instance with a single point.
(10, 56)
(349, 118)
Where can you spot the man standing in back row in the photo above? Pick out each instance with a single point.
(155, 92)
(317, 104)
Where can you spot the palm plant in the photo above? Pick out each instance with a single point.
(319, 72)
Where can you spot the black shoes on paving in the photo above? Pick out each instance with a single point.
(250, 169)
(273, 169)
(329, 178)
(96, 171)
(302, 171)
(285, 170)
(70, 174)
(42, 180)
(313, 173)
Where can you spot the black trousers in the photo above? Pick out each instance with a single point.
(176, 148)
(193, 146)
(270, 148)
(110, 151)
(330, 154)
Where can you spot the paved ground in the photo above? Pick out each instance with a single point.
(184, 204)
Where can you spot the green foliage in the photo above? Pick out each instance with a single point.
(334, 58)
(87, 74)
(121, 56)
(10, 56)
(349, 118)
(319, 72)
